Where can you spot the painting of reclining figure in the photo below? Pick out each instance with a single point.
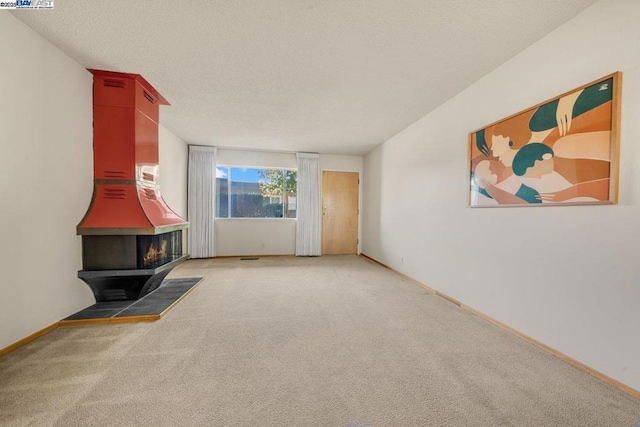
(561, 152)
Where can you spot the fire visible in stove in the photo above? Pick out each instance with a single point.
(154, 251)
(154, 255)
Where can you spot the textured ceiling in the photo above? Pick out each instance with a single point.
(330, 76)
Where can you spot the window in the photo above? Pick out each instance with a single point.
(255, 193)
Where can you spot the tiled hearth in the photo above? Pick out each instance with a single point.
(150, 307)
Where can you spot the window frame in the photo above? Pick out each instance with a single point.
(229, 217)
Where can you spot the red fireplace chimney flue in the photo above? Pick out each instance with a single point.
(126, 197)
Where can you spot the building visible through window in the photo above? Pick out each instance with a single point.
(255, 193)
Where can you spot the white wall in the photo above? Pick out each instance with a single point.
(46, 172)
(174, 158)
(259, 236)
(341, 163)
(567, 276)
(255, 236)
(255, 158)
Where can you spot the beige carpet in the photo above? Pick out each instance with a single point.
(331, 341)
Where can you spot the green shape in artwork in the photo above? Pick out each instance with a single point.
(528, 194)
(527, 156)
(481, 143)
(545, 117)
(591, 97)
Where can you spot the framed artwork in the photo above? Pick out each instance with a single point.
(561, 152)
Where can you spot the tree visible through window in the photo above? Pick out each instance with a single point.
(255, 193)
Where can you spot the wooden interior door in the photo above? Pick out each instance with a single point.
(340, 212)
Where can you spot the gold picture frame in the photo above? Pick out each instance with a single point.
(563, 151)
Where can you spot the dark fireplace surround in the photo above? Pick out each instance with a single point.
(131, 239)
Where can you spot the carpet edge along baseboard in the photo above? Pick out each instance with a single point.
(568, 359)
(26, 340)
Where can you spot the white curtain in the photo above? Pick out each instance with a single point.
(308, 205)
(201, 204)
